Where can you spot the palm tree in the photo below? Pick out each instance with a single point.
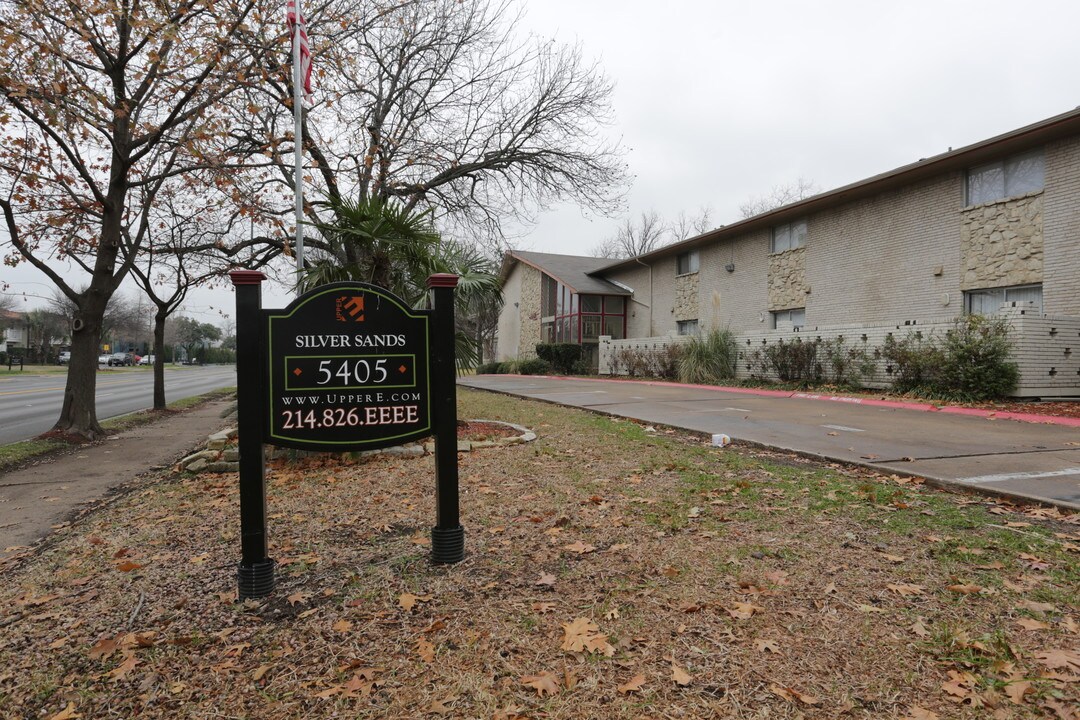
(383, 243)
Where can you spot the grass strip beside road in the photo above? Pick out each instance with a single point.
(17, 454)
(611, 573)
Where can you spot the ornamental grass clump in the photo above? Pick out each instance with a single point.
(708, 359)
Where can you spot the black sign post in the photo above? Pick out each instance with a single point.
(447, 537)
(255, 573)
(346, 366)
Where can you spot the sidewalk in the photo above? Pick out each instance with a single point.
(57, 490)
(1022, 456)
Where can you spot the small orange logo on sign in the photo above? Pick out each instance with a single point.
(350, 309)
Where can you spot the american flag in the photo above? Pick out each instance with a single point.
(305, 51)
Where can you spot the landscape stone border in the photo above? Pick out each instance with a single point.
(220, 455)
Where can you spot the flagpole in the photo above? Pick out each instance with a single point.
(298, 148)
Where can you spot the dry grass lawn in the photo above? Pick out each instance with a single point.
(611, 573)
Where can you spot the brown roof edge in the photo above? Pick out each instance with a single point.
(504, 271)
(983, 151)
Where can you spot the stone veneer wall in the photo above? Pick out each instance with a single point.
(787, 279)
(686, 297)
(529, 312)
(1001, 243)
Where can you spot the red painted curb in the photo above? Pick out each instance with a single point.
(898, 404)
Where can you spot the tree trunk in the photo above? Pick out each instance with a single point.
(159, 359)
(79, 414)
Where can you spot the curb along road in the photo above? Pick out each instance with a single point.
(1032, 458)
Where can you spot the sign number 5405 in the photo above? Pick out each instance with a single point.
(357, 372)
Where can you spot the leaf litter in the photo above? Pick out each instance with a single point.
(611, 572)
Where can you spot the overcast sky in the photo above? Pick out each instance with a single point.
(722, 101)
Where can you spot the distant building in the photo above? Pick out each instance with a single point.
(991, 226)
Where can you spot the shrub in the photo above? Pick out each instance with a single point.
(534, 366)
(971, 362)
(659, 362)
(843, 365)
(708, 359)
(915, 361)
(491, 368)
(794, 361)
(562, 356)
(976, 359)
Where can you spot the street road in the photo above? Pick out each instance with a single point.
(30, 404)
(1033, 460)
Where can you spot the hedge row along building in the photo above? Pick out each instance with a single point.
(988, 228)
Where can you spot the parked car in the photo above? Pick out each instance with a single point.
(119, 360)
(146, 360)
(103, 359)
(63, 358)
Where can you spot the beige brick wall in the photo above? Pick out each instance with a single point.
(895, 257)
(1061, 229)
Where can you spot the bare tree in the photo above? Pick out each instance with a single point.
(686, 226)
(105, 96)
(633, 238)
(441, 104)
(649, 232)
(778, 196)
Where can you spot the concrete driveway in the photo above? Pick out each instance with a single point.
(1033, 461)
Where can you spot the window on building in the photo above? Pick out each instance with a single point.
(786, 237)
(795, 316)
(687, 327)
(990, 300)
(686, 263)
(1010, 177)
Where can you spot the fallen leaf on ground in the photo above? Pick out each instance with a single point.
(1016, 691)
(120, 672)
(791, 695)
(965, 589)
(918, 713)
(408, 601)
(1032, 624)
(634, 684)
(583, 635)
(67, 713)
(546, 579)
(905, 589)
(770, 646)
(743, 611)
(545, 682)
(425, 650)
(579, 547)
(680, 676)
(1059, 659)
(102, 649)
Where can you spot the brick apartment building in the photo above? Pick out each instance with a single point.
(988, 227)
